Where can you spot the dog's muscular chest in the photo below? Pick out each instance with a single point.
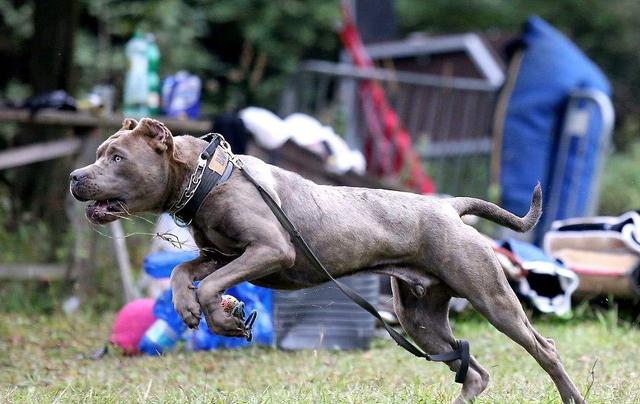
(217, 242)
(226, 249)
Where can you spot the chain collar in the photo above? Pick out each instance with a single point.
(192, 186)
(196, 177)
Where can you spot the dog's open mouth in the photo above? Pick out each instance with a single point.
(106, 211)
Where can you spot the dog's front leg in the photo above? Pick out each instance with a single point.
(256, 261)
(184, 296)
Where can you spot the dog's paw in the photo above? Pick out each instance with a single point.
(225, 324)
(220, 321)
(188, 309)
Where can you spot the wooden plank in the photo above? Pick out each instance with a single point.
(40, 272)
(20, 156)
(79, 119)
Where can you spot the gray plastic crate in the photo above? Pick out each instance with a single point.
(323, 317)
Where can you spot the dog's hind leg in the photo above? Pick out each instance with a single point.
(426, 319)
(478, 276)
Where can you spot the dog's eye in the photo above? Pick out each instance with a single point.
(117, 158)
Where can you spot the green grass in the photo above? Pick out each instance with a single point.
(620, 189)
(43, 359)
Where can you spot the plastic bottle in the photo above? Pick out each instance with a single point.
(166, 331)
(153, 78)
(136, 87)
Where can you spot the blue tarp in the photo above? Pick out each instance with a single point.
(551, 68)
(160, 264)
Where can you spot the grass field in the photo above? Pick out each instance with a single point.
(43, 359)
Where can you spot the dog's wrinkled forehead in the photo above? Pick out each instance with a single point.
(153, 132)
(127, 126)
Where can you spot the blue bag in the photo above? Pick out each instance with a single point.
(160, 265)
(552, 67)
(254, 298)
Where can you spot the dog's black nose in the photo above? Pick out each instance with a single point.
(77, 175)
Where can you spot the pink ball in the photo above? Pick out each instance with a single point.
(130, 324)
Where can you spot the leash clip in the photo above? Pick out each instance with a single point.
(232, 157)
(202, 161)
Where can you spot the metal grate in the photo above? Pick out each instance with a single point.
(449, 119)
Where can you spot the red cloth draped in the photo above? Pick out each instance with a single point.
(388, 147)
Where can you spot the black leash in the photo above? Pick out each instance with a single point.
(213, 168)
(462, 351)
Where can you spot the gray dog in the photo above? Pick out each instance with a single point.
(420, 241)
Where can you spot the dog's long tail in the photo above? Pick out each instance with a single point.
(490, 211)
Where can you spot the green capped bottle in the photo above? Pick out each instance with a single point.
(153, 77)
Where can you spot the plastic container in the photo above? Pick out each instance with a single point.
(166, 331)
(323, 317)
(158, 339)
(136, 87)
(181, 95)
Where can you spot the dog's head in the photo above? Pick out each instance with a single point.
(130, 174)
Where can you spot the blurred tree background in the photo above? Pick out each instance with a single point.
(245, 49)
(242, 49)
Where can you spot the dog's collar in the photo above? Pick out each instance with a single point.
(215, 165)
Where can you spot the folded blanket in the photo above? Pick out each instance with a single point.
(603, 251)
(625, 228)
(271, 132)
(537, 278)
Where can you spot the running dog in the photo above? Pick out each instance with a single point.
(420, 241)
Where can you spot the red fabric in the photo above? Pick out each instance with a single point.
(386, 133)
(130, 324)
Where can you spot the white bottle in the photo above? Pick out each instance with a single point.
(136, 86)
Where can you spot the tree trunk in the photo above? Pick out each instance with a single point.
(51, 64)
(40, 188)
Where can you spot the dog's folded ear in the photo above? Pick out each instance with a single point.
(158, 135)
(129, 124)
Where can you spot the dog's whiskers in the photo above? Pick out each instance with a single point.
(126, 211)
(119, 215)
(127, 235)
